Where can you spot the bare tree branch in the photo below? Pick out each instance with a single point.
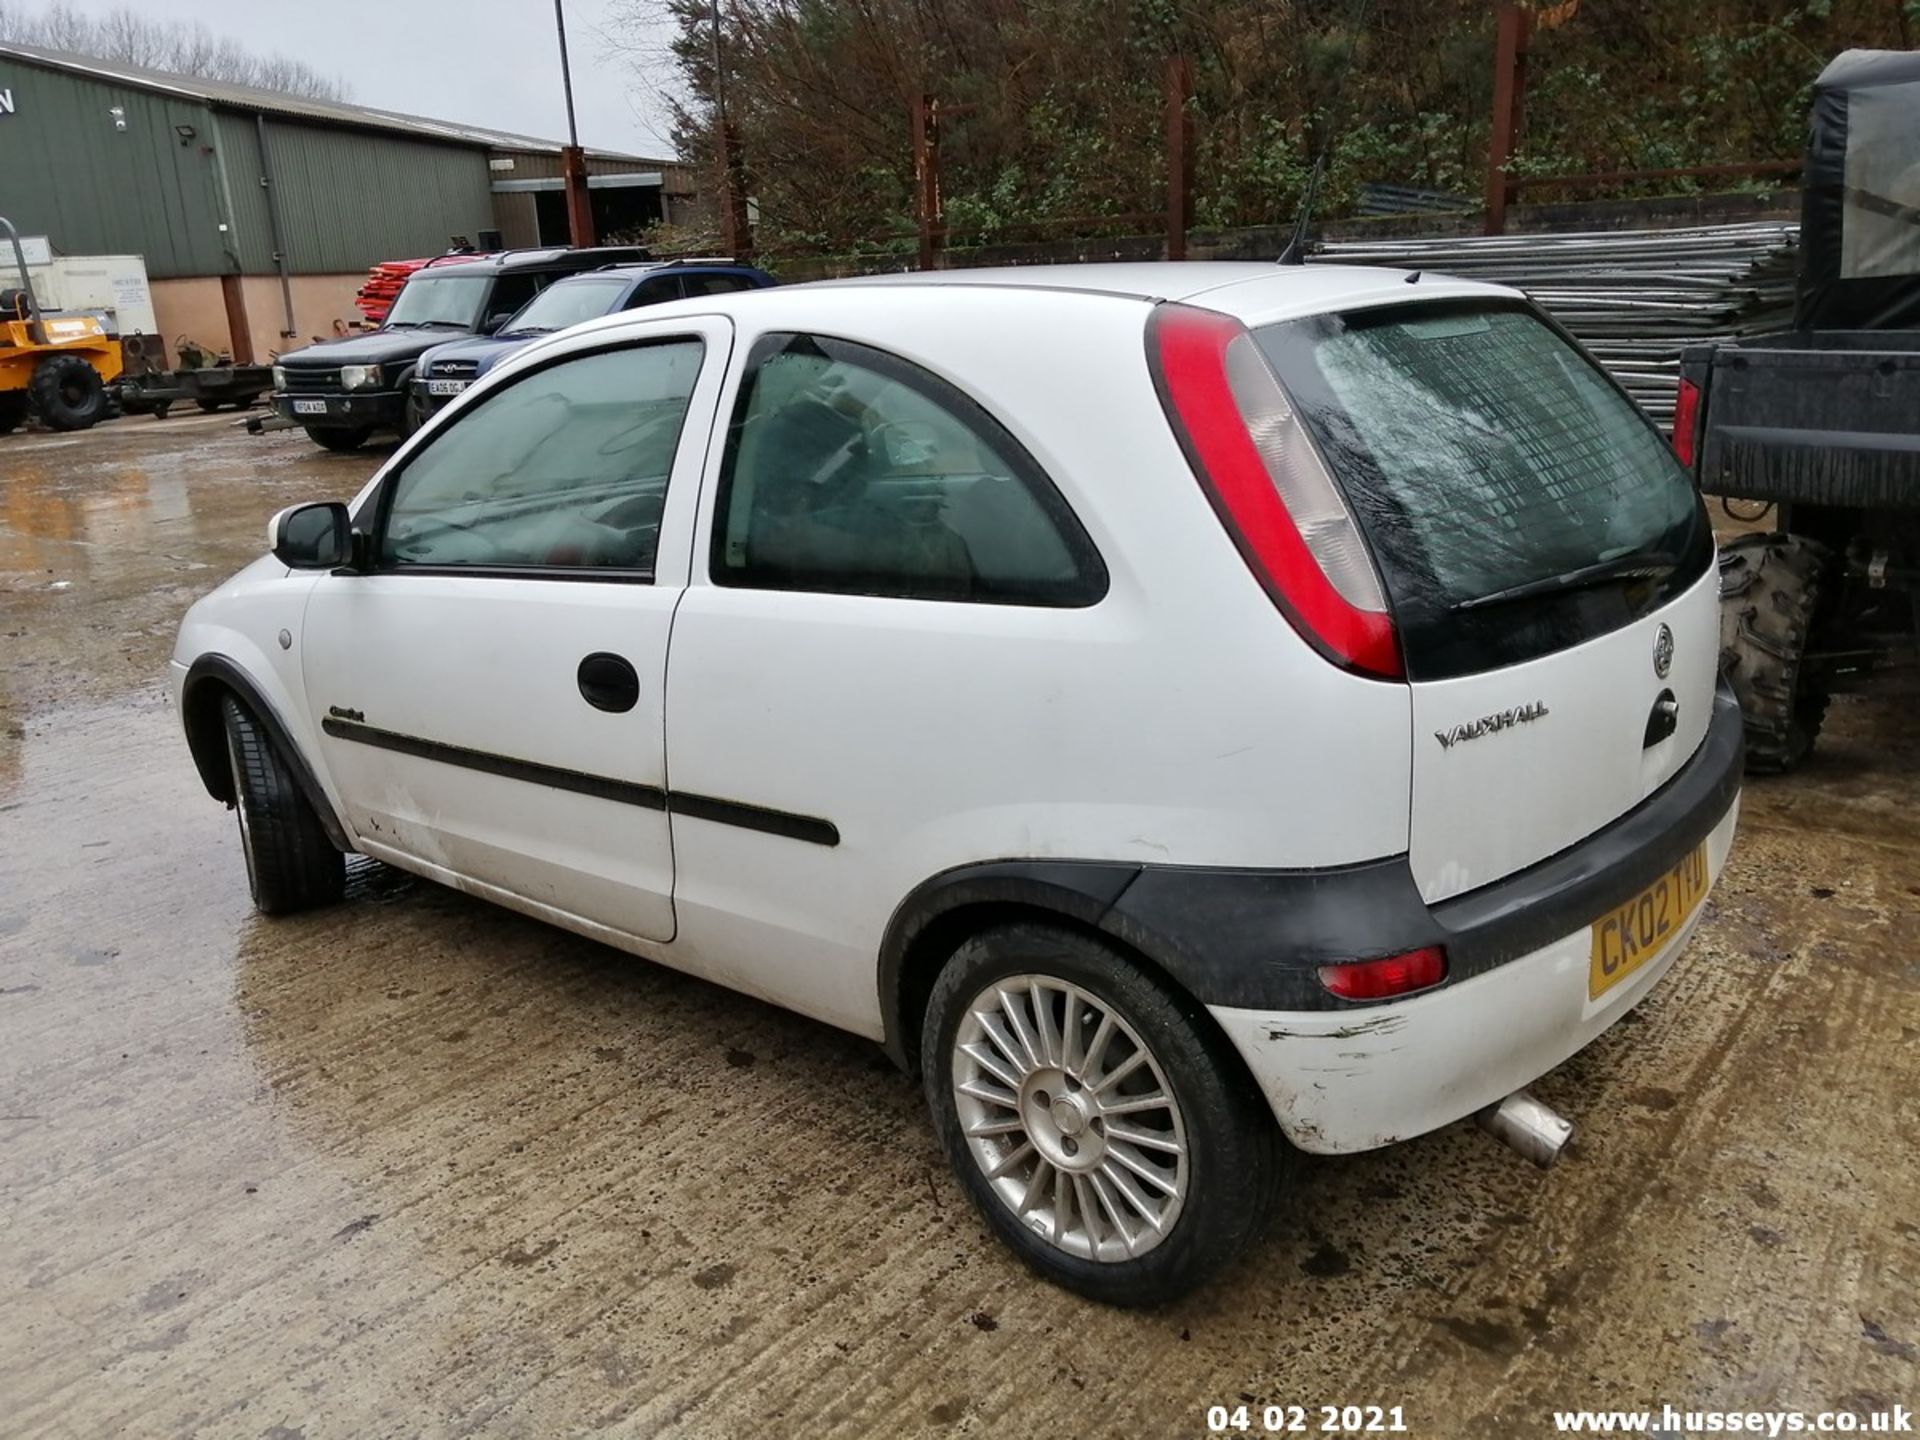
(126, 36)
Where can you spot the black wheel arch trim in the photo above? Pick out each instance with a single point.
(208, 742)
(1254, 939)
(1082, 890)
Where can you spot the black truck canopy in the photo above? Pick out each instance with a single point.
(1860, 208)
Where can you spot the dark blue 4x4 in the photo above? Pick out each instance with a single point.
(446, 370)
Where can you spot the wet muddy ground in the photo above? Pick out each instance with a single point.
(416, 1166)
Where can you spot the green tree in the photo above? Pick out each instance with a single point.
(1054, 110)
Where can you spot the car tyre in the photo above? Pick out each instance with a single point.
(13, 412)
(208, 407)
(339, 441)
(291, 864)
(68, 393)
(1030, 1101)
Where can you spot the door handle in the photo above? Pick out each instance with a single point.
(1663, 720)
(609, 682)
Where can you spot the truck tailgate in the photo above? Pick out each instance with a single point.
(1825, 419)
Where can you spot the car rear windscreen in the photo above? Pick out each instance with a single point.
(1515, 500)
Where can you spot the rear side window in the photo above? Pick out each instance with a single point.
(1515, 501)
(853, 472)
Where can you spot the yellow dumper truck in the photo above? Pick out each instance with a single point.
(57, 367)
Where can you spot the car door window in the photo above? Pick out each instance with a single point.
(851, 471)
(716, 284)
(655, 292)
(566, 467)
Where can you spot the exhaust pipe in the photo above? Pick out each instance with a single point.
(1537, 1131)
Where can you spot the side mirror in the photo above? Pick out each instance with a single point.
(311, 537)
(494, 323)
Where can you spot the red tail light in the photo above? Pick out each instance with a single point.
(1686, 415)
(1382, 979)
(1266, 482)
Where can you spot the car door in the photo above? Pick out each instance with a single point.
(891, 584)
(489, 686)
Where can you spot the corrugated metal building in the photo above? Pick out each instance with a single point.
(529, 200)
(258, 213)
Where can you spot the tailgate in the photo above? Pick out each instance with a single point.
(1513, 765)
(1547, 561)
(1827, 420)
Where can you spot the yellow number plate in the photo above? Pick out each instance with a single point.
(1626, 938)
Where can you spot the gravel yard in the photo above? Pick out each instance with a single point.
(417, 1166)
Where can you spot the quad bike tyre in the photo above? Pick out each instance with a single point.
(68, 393)
(1770, 588)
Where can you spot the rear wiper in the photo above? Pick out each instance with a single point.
(1622, 567)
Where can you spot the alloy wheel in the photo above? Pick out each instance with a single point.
(1070, 1117)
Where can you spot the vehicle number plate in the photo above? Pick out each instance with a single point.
(1626, 938)
(309, 407)
(446, 387)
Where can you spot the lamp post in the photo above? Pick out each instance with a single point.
(573, 160)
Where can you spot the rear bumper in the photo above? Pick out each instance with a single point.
(1353, 1077)
(1356, 1080)
(372, 409)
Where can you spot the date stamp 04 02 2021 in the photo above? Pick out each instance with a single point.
(1306, 1420)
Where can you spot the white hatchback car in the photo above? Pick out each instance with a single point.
(1154, 702)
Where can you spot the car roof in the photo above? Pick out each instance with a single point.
(639, 268)
(1254, 293)
(609, 272)
(551, 257)
(950, 320)
(1155, 280)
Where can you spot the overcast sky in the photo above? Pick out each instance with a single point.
(484, 62)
